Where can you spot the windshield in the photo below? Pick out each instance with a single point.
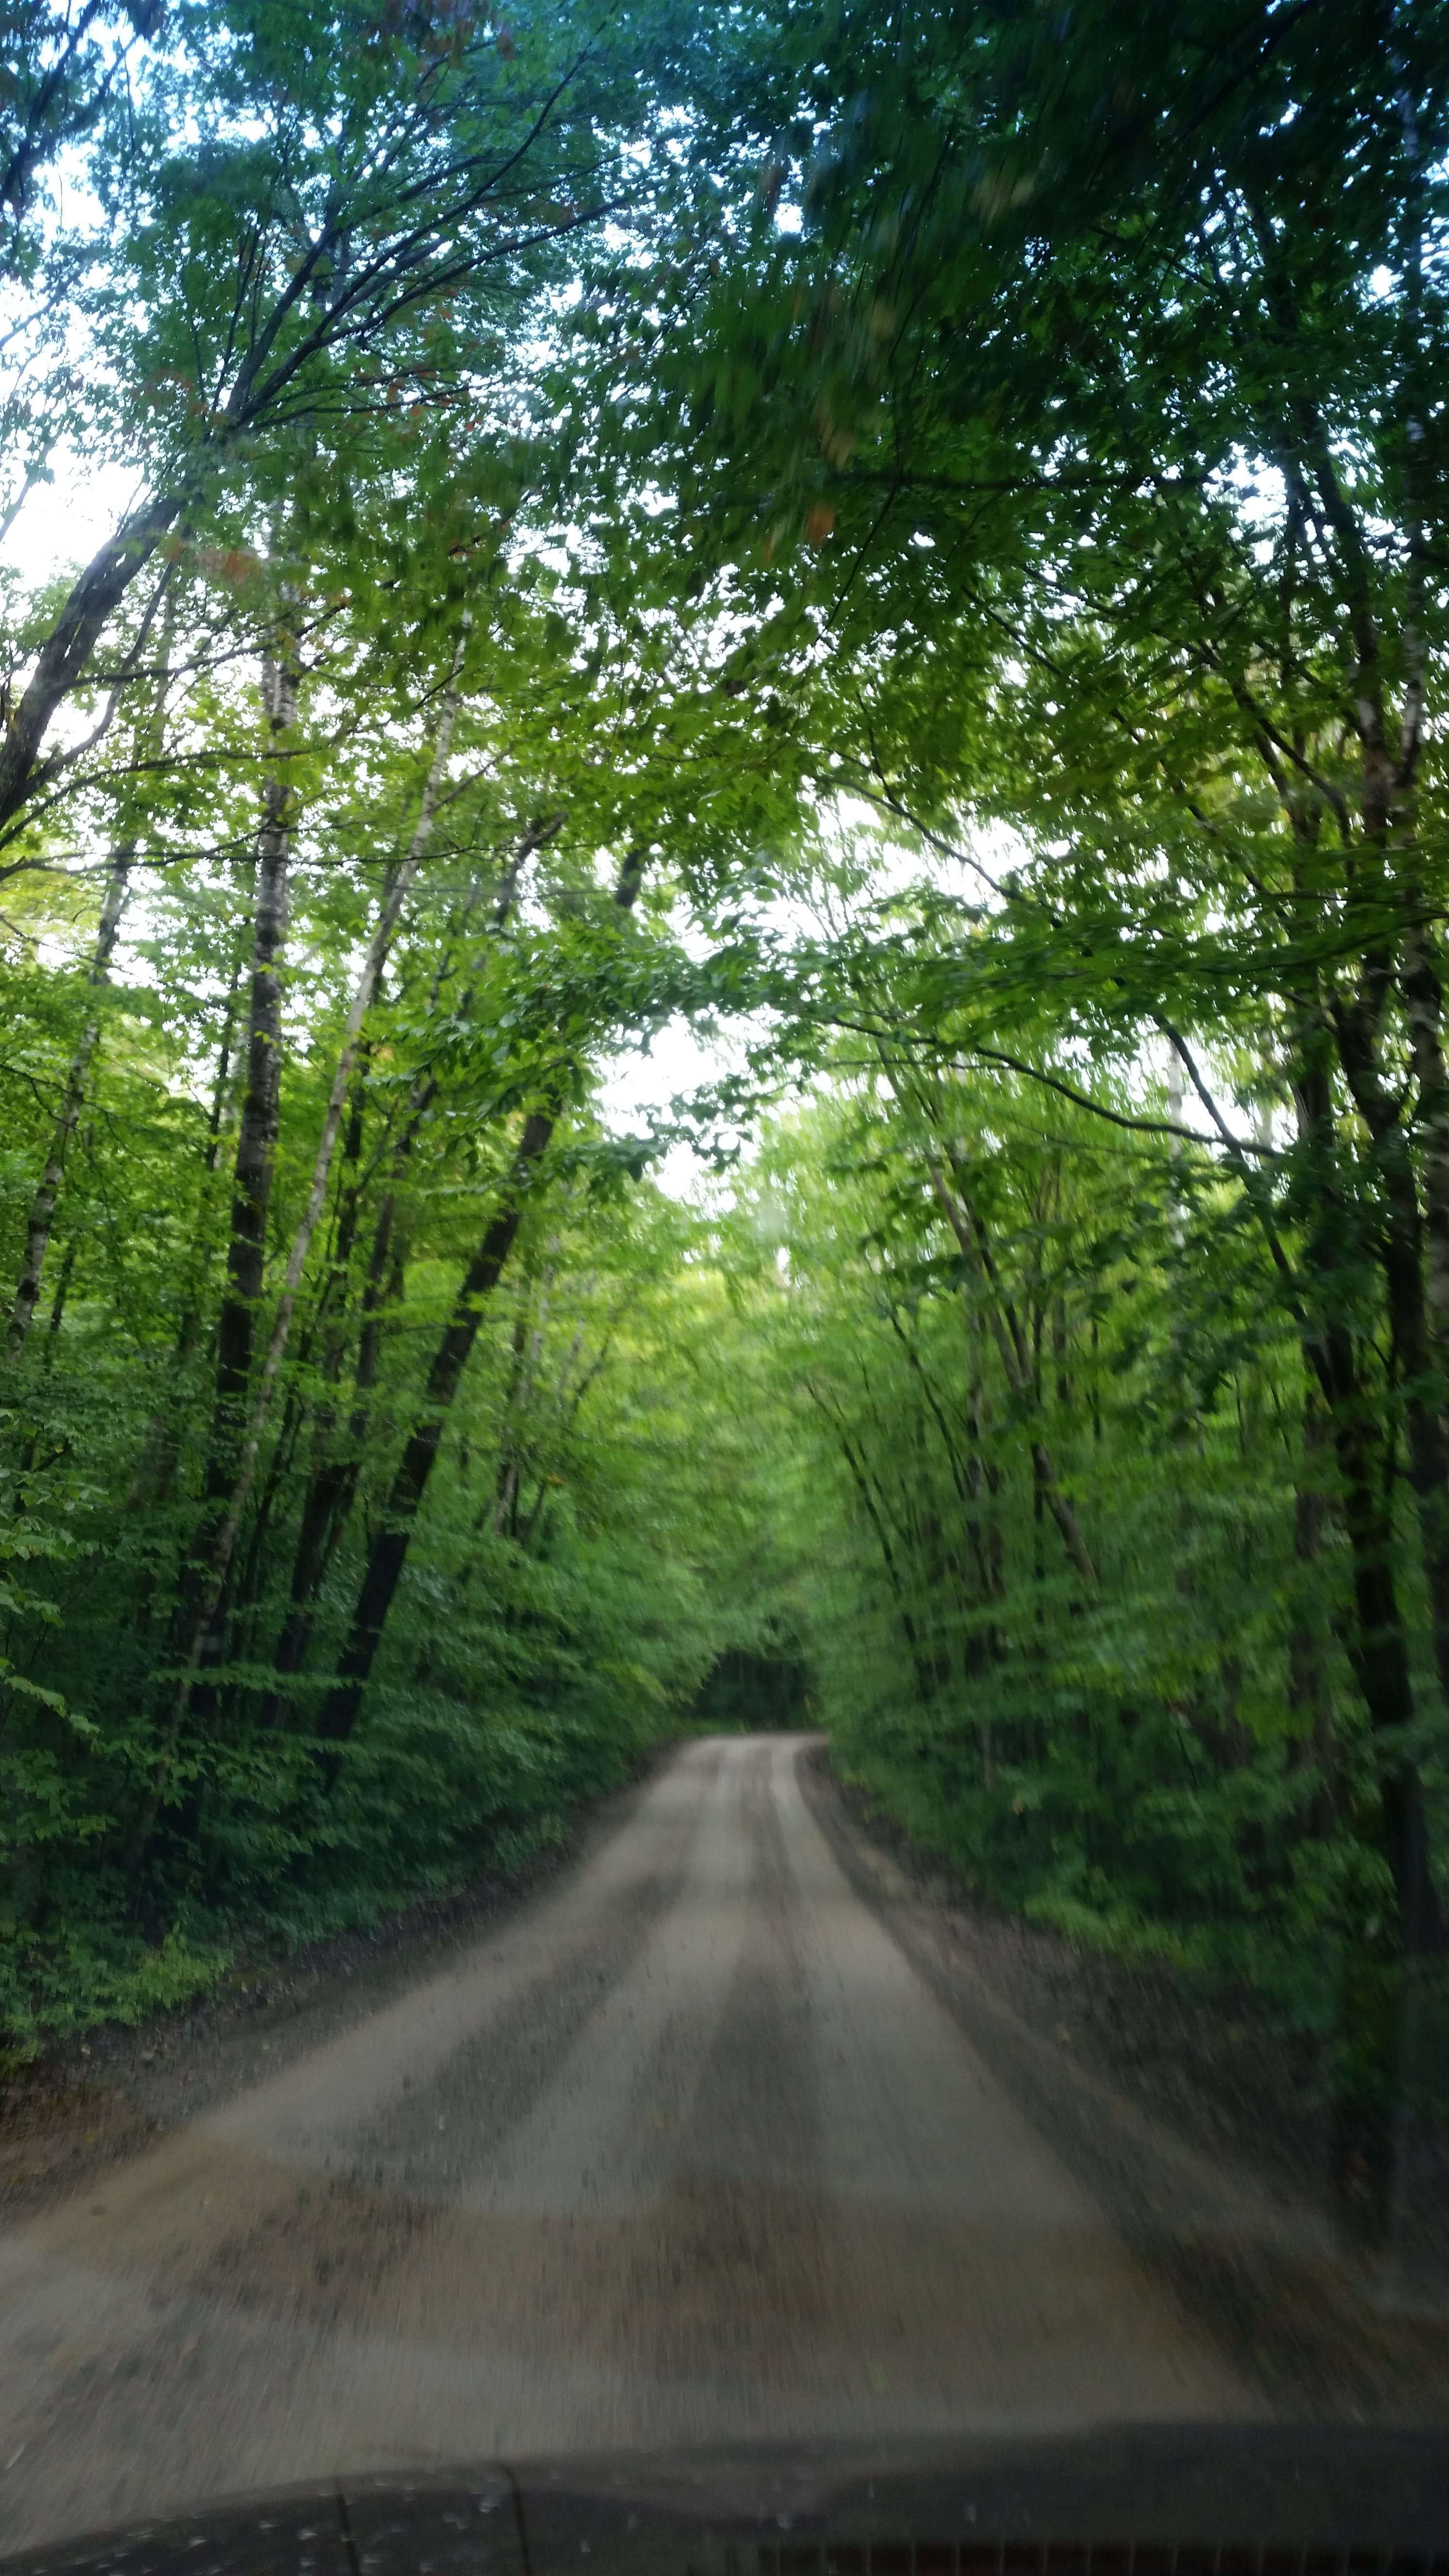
(724, 1219)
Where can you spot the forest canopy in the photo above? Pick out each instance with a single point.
(910, 542)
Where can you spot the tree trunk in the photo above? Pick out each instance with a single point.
(43, 1205)
(1422, 1396)
(1016, 1361)
(332, 1485)
(224, 1543)
(984, 1487)
(1408, 1247)
(388, 1552)
(197, 1634)
(161, 1455)
(256, 1144)
(532, 1522)
(1424, 1009)
(876, 1517)
(527, 1348)
(57, 1304)
(1379, 1652)
(67, 649)
(1309, 1694)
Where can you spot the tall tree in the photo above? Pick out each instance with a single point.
(310, 201)
(389, 1550)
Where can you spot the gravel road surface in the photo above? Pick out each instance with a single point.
(685, 2150)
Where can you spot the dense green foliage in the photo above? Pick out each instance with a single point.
(362, 850)
(916, 535)
(1068, 1587)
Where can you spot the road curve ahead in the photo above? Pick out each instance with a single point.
(682, 2152)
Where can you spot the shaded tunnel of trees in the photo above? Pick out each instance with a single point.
(754, 1687)
(913, 548)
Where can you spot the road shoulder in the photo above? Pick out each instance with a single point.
(92, 2101)
(1257, 2266)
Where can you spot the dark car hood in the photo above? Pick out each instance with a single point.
(1119, 2501)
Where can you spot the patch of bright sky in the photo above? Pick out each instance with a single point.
(681, 1061)
(640, 1086)
(63, 522)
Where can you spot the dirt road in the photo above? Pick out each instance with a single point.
(685, 2151)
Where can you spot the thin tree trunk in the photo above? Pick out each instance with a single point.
(224, 1544)
(334, 1295)
(1378, 1651)
(866, 1492)
(193, 1633)
(67, 649)
(58, 1300)
(1372, 1996)
(331, 1489)
(1016, 1364)
(1038, 1484)
(161, 1454)
(525, 1532)
(43, 1205)
(332, 1485)
(388, 1553)
(256, 1145)
(984, 1485)
(1381, 1665)
(499, 1511)
(1309, 1694)
(527, 1348)
(1422, 1394)
(1407, 1249)
(1424, 1009)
